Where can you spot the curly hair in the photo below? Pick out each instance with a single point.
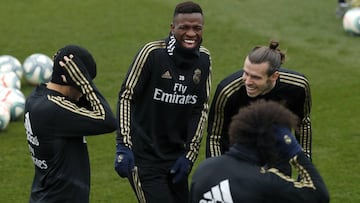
(253, 127)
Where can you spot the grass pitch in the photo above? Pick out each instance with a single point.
(113, 31)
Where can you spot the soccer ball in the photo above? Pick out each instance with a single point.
(351, 21)
(4, 116)
(37, 68)
(15, 101)
(10, 79)
(10, 63)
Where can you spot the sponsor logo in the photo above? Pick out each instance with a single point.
(178, 96)
(29, 133)
(33, 140)
(166, 75)
(39, 163)
(219, 193)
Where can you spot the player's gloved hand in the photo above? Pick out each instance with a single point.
(286, 142)
(72, 64)
(181, 169)
(124, 160)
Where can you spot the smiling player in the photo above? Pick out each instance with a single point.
(260, 78)
(162, 110)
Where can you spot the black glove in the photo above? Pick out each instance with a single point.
(286, 142)
(124, 160)
(181, 169)
(72, 65)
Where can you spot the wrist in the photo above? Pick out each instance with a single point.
(122, 147)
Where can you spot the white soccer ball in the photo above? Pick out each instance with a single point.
(37, 68)
(10, 79)
(351, 21)
(15, 101)
(4, 116)
(10, 63)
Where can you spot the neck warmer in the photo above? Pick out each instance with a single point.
(183, 57)
(242, 152)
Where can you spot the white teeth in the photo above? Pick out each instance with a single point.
(189, 41)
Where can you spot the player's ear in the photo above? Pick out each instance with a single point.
(275, 76)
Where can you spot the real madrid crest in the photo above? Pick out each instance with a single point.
(197, 76)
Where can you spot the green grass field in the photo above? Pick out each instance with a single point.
(113, 31)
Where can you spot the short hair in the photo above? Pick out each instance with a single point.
(187, 7)
(271, 54)
(253, 127)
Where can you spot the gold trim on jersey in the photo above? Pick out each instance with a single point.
(78, 77)
(194, 145)
(126, 96)
(288, 78)
(98, 112)
(130, 83)
(305, 135)
(305, 181)
(218, 122)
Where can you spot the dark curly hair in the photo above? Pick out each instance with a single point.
(253, 127)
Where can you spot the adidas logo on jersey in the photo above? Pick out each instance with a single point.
(166, 75)
(219, 193)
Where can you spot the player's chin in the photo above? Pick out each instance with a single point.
(253, 94)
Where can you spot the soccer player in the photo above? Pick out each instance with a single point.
(260, 78)
(260, 134)
(58, 116)
(162, 110)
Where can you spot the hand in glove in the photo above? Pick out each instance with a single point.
(286, 142)
(72, 66)
(124, 160)
(181, 169)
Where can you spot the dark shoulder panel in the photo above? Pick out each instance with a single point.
(293, 78)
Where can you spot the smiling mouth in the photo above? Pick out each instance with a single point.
(250, 89)
(189, 41)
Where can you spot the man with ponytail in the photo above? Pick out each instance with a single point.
(262, 77)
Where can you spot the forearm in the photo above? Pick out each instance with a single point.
(309, 178)
(305, 136)
(213, 146)
(123, 121)
(91, 115)
(196, 129)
